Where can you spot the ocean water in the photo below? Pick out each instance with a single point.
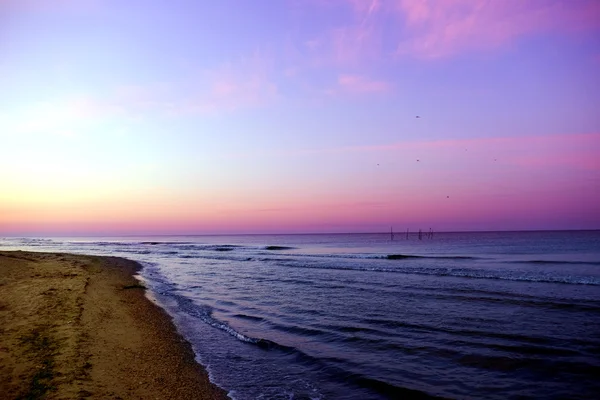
(496, 315)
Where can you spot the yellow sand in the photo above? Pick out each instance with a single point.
(80, 327)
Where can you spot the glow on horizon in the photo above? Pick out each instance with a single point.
(245, 118)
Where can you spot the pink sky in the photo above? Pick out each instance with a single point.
(298, 116)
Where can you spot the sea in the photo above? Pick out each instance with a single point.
(463, 315)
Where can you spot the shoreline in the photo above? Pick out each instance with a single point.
(75, 326)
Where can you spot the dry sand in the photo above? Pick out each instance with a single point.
(81, 327)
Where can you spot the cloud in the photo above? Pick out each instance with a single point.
(578, 151)
(356, 84)
(357, 40)
(442, 28)
(376, 30)
(246, 83)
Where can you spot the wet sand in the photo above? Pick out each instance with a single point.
(76, 326)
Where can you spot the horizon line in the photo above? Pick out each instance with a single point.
(292, 234)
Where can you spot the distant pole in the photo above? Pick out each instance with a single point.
(406, 233)
(391, 232)
(420, 235)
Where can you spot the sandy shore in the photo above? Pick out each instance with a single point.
(80, 327)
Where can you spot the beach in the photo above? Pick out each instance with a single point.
(74, 326)
(462, 315)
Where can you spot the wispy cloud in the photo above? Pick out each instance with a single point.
(357, 84)
(383, 29)
(241, 84)
(577, 151)
(229, 87)
(246, 84)
(442, 28)
(354, 40)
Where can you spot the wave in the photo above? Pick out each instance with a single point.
(555, 262)
(166, 243)
(299, 330)
(538, 344)
(409, 256)
(249, 317)
(333, 367)
(175, 247)
(459, 273)
(172, 246)
(371, 256)
(204, 314)
(389, 390)
(290, 261)
(525, 348)
(207, 247)
(518, 301)
(31, 242)
(269, 249)
(336, 368)
(222, 248)
(108, 244)
(479, 347)
(240, 253)
(341, 370)
(27, 240)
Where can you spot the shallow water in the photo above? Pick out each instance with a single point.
(460, 315)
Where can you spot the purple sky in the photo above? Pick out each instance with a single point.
(140, 117)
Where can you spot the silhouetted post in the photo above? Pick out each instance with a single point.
(406, 233)
(420, 235)
(391, 233)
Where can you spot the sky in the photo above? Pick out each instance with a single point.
(298, 116)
